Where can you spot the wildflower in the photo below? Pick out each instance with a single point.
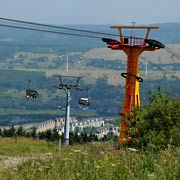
(85, 162)
(98, 167)
(40, 169)
(113, 165)
(66, 159)
(48, 154)
(77, 150)
(102, 152)
(151, 175)
(15, 169)
(78, 174)
(52, 164)
(84, 153)
(133, 149)
(106, 158)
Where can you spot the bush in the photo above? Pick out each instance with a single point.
(160, 126)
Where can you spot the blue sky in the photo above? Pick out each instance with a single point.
(112, 12)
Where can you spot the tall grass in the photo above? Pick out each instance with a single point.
(98, 161)
(25, 146)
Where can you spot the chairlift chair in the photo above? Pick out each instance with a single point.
(31, 93)
(84, 100)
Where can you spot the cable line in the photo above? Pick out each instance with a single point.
(65, 33)
(172, 52)
(59, 27)
(48, 31)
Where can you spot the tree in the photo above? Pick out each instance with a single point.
(33, 133)
(161, 125)
(9, 132)
(56, 135)
(41, 135)
(49, 135)
(1, 133)
(20, 131)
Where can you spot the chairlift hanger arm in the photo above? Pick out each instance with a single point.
(29, 84)
(69, 76)
(78, 79)
(148, 28)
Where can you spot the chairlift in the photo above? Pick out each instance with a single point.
(84, 100)
(31, 93)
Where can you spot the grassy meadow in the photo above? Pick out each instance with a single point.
(96, 160)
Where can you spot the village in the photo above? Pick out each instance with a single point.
(100, 126)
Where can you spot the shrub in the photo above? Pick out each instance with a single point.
(160, 126)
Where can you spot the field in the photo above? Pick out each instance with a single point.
(160, 56)
(78, 64)
(44, 112)
(97, 160)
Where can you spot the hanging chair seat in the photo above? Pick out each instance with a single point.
(84, 101)
(31, 94)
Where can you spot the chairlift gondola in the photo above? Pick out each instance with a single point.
(31, 93)
(84, 100)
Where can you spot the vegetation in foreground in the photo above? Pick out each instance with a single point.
(94, 160)
(155, 155)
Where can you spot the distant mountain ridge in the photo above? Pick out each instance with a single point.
(168, 33)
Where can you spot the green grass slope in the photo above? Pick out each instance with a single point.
(91, 161)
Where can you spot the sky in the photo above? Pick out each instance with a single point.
(112, 12)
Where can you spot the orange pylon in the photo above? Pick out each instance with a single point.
(133, 47)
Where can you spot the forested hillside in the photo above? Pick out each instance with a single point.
(39, 57)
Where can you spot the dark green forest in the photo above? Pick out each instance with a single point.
(106, 100)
